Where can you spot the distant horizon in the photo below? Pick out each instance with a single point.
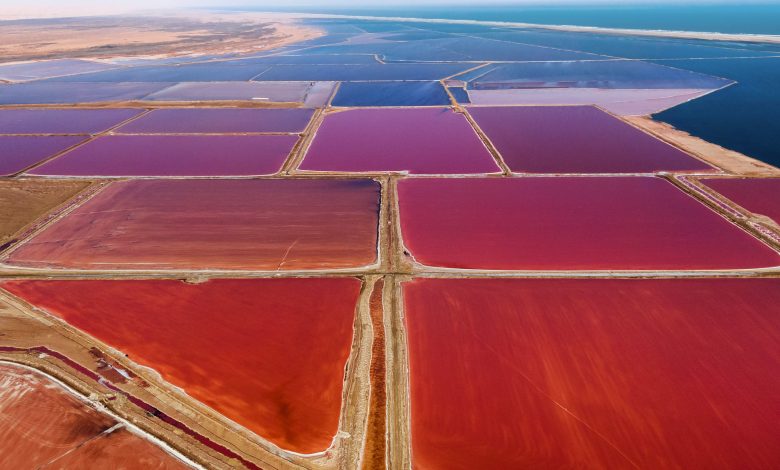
(20, 9)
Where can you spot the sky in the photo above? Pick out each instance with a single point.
(10, 9)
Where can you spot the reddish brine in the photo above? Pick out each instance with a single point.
(593, 373)
(570, 223)
(277, 225)
(268, 354)
(758, 195)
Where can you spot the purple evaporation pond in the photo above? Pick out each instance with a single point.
(19, 152)
(576, 139)
(294, 92)
(417, 140)
(62, 121)
(153, 155)
(219, 120)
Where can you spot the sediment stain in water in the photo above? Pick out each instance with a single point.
(268, 354)
(40, 420)
(605, 373)
(119, 449)
(215, 224)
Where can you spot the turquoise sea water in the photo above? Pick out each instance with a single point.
(738, 18)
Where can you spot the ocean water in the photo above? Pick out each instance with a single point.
(742, 117)
(737, 18)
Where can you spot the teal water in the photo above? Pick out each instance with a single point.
(737, 18)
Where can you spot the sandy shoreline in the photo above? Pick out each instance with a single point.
(710, 36)
(161, 36)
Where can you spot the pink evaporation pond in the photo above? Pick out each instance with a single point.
(758, 195)
(62, 121)
(171, 155)
(219, 120)
(570, 223)
(19, 152)
(576, 139)
(417, 140)
(193, 224)
(593, 373)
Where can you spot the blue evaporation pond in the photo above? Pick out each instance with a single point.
(371, 26)
(416, 35)
(478, 49)
(49, 68)
(608, 74)
(629, 46)
(391, 94)
(460, 94)
(381, 72)
(335, 26)
(742, 117)
(204, 72)
(380, 48)
(70, 93)
(294, 59)
(452, 27)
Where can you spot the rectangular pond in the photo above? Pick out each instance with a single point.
(576, 139)
(593, 373)
(570, 223)
(20, 152)
(276, 225)
(218, 121)
(62, 121)
(415, 140)
(391, 94)
(174, 155)
(75, 93)
(422, 71)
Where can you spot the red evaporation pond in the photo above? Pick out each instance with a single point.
(19, 152)
(215, 224)
(62, 121)
(172, 155)
(757, 195)
(417, 140)
(40, 420)
(268, 354)
(219, 120)
(120, 449)
(594, 373)
(576, 139)
(569, 223)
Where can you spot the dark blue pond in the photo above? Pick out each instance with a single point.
(391, 94)
(742, 117)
